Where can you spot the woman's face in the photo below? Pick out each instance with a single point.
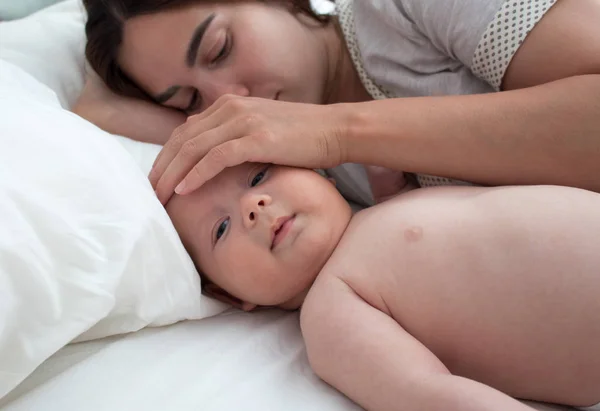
(187, 58)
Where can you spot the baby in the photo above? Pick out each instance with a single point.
(441, 298)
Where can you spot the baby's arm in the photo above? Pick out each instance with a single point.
(368, 356)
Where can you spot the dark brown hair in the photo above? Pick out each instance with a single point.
(104, 31)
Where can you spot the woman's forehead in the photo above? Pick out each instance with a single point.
(169, 31)
(155, 44)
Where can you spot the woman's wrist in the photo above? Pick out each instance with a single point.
(353, 133)
(515, 137)
(372, 133)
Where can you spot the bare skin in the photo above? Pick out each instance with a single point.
(458, 285)
(444, 298)
(551, 96)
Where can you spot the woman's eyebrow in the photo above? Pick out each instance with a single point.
(192, 52)
(191, 56)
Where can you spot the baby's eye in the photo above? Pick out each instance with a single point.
(259, 177)
(221, 229)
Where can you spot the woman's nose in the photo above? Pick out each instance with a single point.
(219, 89)
(253, 208)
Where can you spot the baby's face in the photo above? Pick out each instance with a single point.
(262, 233)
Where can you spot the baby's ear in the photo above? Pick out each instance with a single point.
(220, 294)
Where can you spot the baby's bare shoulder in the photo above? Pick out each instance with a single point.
(434, 217)
(430, 236)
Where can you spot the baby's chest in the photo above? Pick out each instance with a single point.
(399, 258)
(370, 260)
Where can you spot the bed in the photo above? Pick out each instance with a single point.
(100, 306)
(232, 361)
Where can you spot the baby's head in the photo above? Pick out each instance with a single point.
(260, 234)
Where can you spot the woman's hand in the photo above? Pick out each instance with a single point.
(235, 130)
(134, 118)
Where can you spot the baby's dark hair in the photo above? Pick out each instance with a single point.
(104, 31)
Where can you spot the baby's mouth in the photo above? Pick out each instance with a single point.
(281, 228)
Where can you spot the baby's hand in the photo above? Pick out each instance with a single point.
(386, 183)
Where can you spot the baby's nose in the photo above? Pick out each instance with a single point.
(253, 206)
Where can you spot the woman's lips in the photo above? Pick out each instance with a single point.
(282, 229)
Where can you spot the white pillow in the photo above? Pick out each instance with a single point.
(86, 249)
(49, 45)
(323, 6)
(11, 9)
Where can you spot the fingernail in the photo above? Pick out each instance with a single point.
(180, 188)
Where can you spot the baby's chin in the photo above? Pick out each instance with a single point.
(318, 261)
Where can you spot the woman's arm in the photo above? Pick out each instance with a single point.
(137, 119)
(545, 134)
(367, 355)
(548, 134)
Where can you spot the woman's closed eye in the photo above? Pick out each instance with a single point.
(223, 51)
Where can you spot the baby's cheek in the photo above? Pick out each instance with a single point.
(246, 269)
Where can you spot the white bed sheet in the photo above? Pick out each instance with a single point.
(249, 361)
(234, 361)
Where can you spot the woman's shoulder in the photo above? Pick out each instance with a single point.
(428, 47)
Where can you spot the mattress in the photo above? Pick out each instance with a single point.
(233, 361)
(236, 360)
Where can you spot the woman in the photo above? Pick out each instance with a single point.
(269, 81)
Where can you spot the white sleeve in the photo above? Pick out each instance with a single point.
(482, 34)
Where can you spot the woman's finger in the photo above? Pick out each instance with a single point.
(186, 125)
(175, 132)
(193, 127)
(164, 156)
(228, 154)
(191, 152)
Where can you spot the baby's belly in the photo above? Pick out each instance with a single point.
(507, 296)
